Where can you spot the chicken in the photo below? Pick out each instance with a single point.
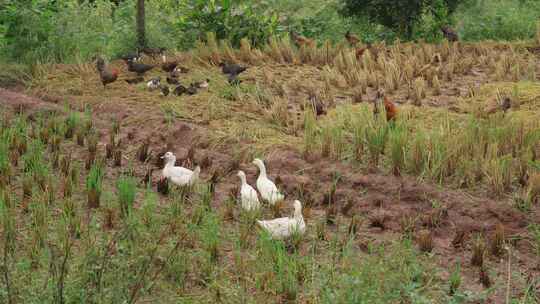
(506, 104)
(179, 90)
(168, 66)
(105, 74)
(139, 68)
(390, 108)
(201, 84)
(352, 38)
(232, 69)
(318, 106)
(360, 52)
(449, 34)
(181, 70)
(302, 41)
(172, 81)
(233, 80)
(165, 90)
(192, 90)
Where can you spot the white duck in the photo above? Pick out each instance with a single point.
(179, 175)
(267, 188)
(248, 195)
(284, 227)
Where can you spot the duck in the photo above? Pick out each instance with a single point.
(201, 84)
(179, 90)
(268, 190)
(154, 83)
(165, 90)
(248, 195)
(172, 81)
(179, 175)
(179, 70)
(191, 90)
(284, 227)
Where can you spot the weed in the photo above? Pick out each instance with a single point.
(80, 135)
(67, 187)
(65, 164)
(498, 241)
(397, 139)
(117, 156)
(71, 124)
(484, 277)
(126, 187)
(459, 238)
(142, 152)
(533, 192)
(534, 231)
(408, 225)
(478, 251)
(92, 143)
(375, 137)
(378, 219)
(455, 280)
(425, 241)
(90, 160)
(94, 185)
(310, 132)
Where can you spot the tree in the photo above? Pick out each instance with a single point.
(141, 37)
(401, 16)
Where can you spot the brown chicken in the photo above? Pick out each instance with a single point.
(302, 41)
(360, 52)
(106, 74)
(352, 38)
(391, 109)
(449, 34)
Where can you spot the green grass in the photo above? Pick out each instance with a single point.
(126, 187)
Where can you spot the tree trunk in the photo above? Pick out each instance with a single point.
(141, 38)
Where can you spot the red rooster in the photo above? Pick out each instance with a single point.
(391, 109)
(360, 52)
(107, 75)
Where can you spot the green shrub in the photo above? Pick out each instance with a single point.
(498, 19)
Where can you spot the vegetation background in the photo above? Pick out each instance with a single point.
(75, 30)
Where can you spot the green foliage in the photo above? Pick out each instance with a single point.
(95, 178)
(400, 16)
(498, 20)
(227, 20)
(126, 187)
(403, 274)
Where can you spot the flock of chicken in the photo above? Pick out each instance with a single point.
(279, 228)
(133, 61)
